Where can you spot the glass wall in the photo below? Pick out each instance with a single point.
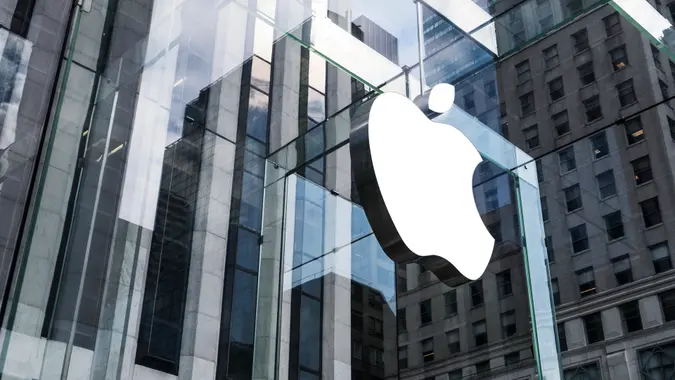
(177, 201)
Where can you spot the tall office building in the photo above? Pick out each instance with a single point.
(177, 196)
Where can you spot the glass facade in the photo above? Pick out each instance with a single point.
(177, 198)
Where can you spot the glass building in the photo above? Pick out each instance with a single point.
(177, 194)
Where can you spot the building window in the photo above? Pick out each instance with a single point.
(551, 58)
(619, 58)
(671, 127)
(455, 375)
(508, 324)
(523, 72)
(614, 225)
(579, 238)
(483, 367)
(403, 357)
(357, 350)
(580, 40)
(667, 300)
(622, 270)
(630, 314)
(512, 359)
(664, 89)
(540, 171)
(402, 319)
(657, 362)
(476, 293)
(612, 24)
(491, 200)
(531, 137)
(556, 89)
(402, 284)
(495, 230)
(428, 350)
(561, 123)
(626, 93)
(567, 160)
(480, 333)
(527, 104)
(634, 131)
(544, 209)
(661, 257)
(453, 341)
(376, 357)
(642, 170)
(450, 299)
(469, 102)
(599, 145)
(656, 56)
(555, 290)
(606, 185)
(425, 312)
(573, 198)
(651, 212)
(504, 283)
(593, 109)
(586, 73)
(490, 89)
(584, 372)
(562, 337)
(357, 320)
(586, 281)
(593, 325)
(550, 253)
(374, 327)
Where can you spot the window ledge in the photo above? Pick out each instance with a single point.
(609, 197)
(601, 158)
(657, 225)
(643, 184)
(574, 211)
(568, 172)
(564, 135)
(587, 85)
(628, 105)
(636, 143)
(552, 68)
(594, 121)
(528, 114)
(620, 32)
(581, 253)
(582, 51)
(616, 240)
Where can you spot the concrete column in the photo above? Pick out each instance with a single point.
(618, 366)
(575, 331)
(650, 311)
(612, 324)
(201, 325)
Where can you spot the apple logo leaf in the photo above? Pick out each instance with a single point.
(414, 180)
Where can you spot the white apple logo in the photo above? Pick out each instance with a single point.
(414, 179)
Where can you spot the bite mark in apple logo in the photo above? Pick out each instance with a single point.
(414, 180)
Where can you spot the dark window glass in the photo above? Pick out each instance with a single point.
(508, 320)
(425, 312)
(592, 107)
(567, 160)
(453, 341)
(634, 131)
(642, 170)
(619, 58)
(549, 249)
(480, 333)
(561, 123)
(664, 89)
(357, 320)
(556, 89)
(551, 58)
(580, 39)
(630, 314)
(491, 200)
(656, 56)
(357, 350)
(482, 367)
(661, 257)
(555, 290)
(622, 270)
(428, 350)
(450, 299)
(402, 284)
(612, 24)
(512, 359)
(495, 230)
(376, 357)
(544, 209)
(586, 281)
(586, 73)
(455, 375)
(403, 357)
(531, 137)
(599, 145)
(540, 171)
(579, 238)
(562, 337)
(527, 103)
(523, 72)
(402, 319)
(593, 325)
(671, 127)
(614, 225)
(490, 89)
(476, 293)
(374, 327)
(573, 198)
(667, 299)
(626, 93)
(606, 185)
(469, 102)
(504, 283)
(651, 212)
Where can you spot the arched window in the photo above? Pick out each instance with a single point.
(589, 371)
(658, 363)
